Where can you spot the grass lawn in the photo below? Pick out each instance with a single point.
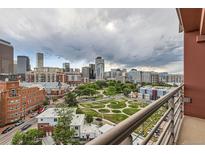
(116, 118)
(87, 111)
(130, 111)
(104, 110)
(133, 105)
(117, 104)
(92, 105)
(116, 111)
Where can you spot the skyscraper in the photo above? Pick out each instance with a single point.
(39, 60)
(99, 68)
(92, 71)
(23, 64)
(6, 57)
(66, 67)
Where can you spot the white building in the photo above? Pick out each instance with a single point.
(49, 118)
(77, 124)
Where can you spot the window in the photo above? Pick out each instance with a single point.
(41, 119)
(76, 127)
(13, 92)
(55, 119)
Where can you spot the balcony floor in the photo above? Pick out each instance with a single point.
(192, 131)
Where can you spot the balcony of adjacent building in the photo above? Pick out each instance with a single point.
(183, 109)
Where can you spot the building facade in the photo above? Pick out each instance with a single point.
(54, 74)
(99, 68)
(92, 71)
(66, 67)
(23, 64)
(6, 57)
(86, 74)
(49, 119)
(175, 78)
(39, 60)
(17, 101)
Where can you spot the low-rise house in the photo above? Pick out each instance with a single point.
(90, 131)
(49, 119)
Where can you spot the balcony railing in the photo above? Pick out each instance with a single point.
(171, 119)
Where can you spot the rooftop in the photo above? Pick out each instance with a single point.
(78, 119)
(46, 85)
(49, 113)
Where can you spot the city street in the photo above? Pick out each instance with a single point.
(5, 139)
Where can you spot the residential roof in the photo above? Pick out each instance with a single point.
(87, 129)
(105, 128)
(49, 113)
(77, 119)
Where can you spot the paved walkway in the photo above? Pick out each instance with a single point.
(192, 131)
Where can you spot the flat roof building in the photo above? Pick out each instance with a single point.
(23, 64)
(6, 57)
(39, 60)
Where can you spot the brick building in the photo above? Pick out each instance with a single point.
(16, 101)
(52, 74)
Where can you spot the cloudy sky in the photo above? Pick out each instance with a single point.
(146, 39)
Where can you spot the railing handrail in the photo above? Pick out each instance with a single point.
(123, 129)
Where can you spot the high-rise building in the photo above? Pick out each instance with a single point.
(86, 74)
(39, 60)
(92, 71)
(6, 57)
(135, 76)
(23, 64)
(66, 67)
(99, 68)
(15, 67)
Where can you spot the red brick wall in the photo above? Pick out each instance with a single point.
(32, 98)
(194, 75)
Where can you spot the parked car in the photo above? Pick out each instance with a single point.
(25, 127)
(7, 129)
(19, 123)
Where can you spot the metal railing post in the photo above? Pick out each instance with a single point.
(122, 130)
(171, 103)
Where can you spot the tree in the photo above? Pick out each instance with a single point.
(101, 84)
(126, 91)
(31, 137)
(89, 118)
(63, 134)
(70, 99)
(46, 102)
(18, 138)
(111, 90)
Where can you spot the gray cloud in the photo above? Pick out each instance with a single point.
(131, 37)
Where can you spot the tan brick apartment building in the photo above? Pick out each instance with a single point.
(54, 74)
(16, 101)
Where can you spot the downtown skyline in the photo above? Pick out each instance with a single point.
(79, 35)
